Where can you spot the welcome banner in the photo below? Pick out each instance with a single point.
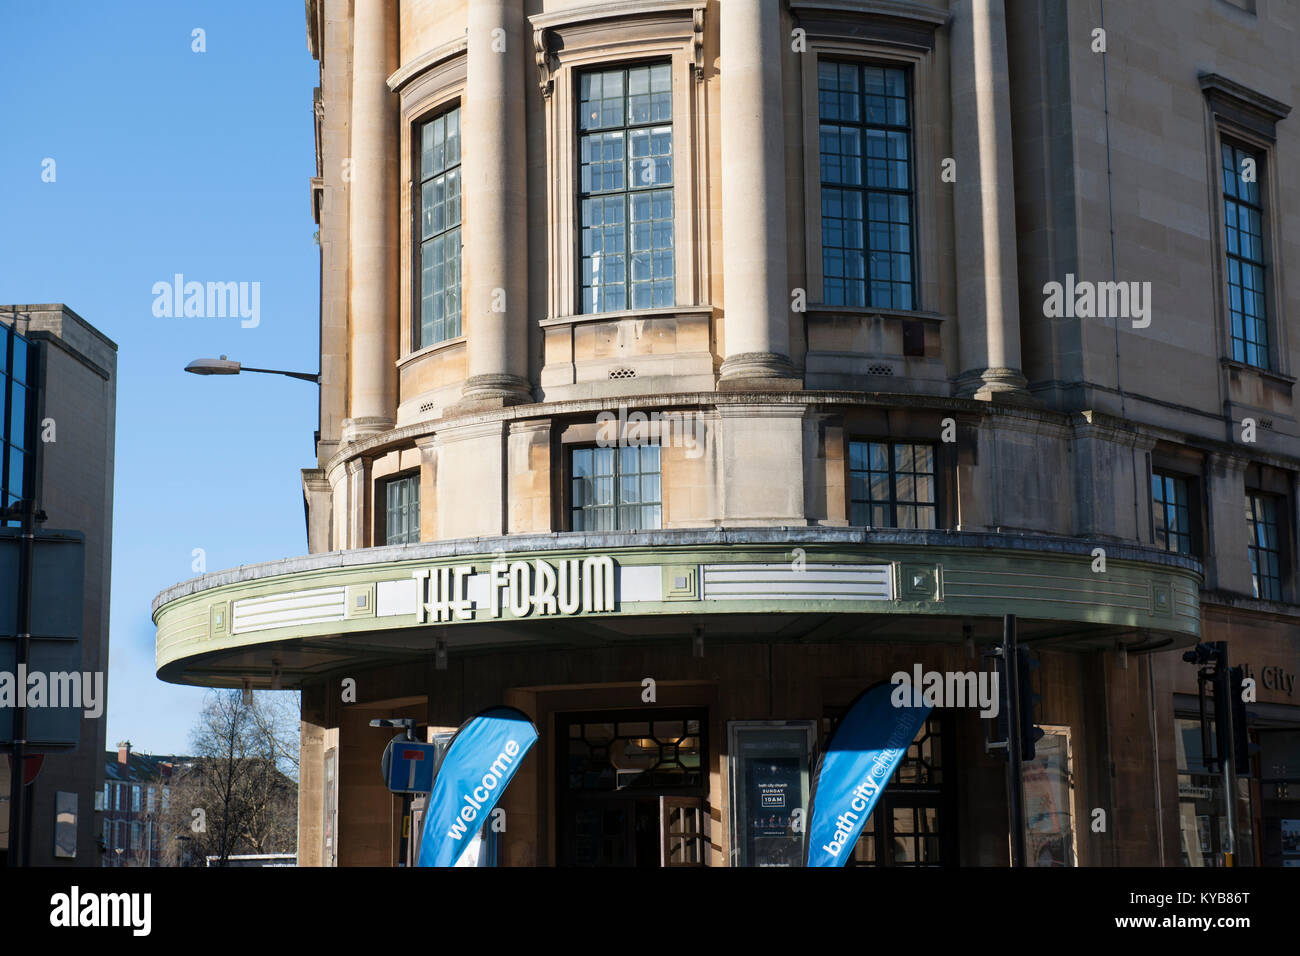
(480, 762)
(851, 774)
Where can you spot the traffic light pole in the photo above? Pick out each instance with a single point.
(1229, 760)
(1015, 788)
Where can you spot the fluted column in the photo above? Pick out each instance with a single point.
(988, 305)
(756, 294)
(495, 196)
(372, 221)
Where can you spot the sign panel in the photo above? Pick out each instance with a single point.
(769, 772)
(860, 757)
(408, 765)
(51, 685)
(479, 764)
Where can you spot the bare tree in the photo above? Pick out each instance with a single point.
(238, 793)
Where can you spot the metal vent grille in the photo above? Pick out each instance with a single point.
(880, 370)
(426, 407)
(615, 373)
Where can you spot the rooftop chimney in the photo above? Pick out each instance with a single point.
(124, 752)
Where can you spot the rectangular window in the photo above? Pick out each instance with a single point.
(891, 485)
(625, 192)
(1265, 546)
(866, 182)
(16, 410)
(1243, 214)
(135, 799)
(149, 800)
(136, 831)
(440, 310)
(402, 510)
(616, 489)
(117, 797)
(108, 835)
(1171, 513)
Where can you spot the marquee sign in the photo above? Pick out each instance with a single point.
(544, 588)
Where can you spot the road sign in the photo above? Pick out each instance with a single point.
(31, 766)
(408, 765)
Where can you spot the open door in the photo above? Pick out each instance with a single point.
(683, 831)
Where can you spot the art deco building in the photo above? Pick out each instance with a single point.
(690, 365)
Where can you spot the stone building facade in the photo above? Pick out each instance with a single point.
(839, 329)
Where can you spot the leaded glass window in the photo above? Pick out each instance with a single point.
(440, 183)
(866, 185)
(626, 188)
(1243, 214)
(891, 485)
(616, 489)
(648, 752)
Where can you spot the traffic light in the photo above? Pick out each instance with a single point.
(1029, 733)
(1240, 721)
(1024, 698)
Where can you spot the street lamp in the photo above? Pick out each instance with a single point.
(225, 366)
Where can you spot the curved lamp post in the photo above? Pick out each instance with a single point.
(225, 366)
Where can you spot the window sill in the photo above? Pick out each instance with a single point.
(627, 314)
(429, 350)
(1277, 377)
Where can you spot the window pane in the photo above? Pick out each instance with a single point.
(865, 147)
(627, 165)
(440, 208)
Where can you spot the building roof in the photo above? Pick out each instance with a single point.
(141, 768)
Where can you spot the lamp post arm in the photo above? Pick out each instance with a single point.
(305, 376)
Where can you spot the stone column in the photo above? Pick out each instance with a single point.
(988, 306)
(372, 221)
(1227, 567)
(311, 766)
(318, 495)
(756, 297)
(495, 196)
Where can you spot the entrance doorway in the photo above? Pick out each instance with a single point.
(631, 787)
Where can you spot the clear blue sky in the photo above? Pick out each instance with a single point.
(169, 161)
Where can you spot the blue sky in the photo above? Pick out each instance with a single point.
(169, 161)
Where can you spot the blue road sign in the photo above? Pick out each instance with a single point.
(408, 765)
